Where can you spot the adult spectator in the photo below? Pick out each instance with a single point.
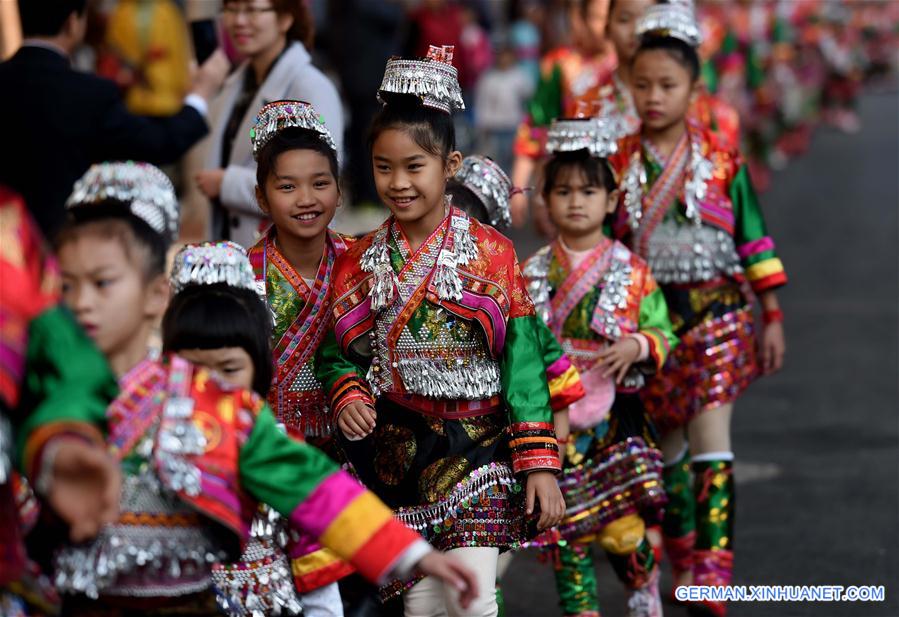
(274, 36)
(60, 121)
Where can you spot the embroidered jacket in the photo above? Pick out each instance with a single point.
(697, 217)
(302, 316)
(449, 328)
(217, 449)
(301, 319)
(609, 295)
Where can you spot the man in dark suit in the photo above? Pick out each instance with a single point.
(58, 121)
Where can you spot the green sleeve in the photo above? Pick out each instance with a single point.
(331, 365)
(749, 224)
(67, 379)
(756, 249)
(524, 382)
(523, 372)
(549, 346)
(546, 104)
(270, 461)
(655, 325)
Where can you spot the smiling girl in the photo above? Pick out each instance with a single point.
(293, 263)
(601, 302)
(436, 381)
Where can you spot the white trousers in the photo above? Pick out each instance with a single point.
(430, 598)
(322, 602)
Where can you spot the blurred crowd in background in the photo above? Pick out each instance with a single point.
(785, 65)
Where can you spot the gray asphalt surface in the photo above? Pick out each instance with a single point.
(817, 446)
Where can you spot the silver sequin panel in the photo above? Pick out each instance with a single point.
(690, 253)
(141, 560)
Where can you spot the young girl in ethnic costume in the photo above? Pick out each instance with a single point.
(195, 452)
(688, 207)
(217, 321)
(433, 367)
(600, 300)
(293, 263)
(46, 361)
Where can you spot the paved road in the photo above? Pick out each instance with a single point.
(818, 444)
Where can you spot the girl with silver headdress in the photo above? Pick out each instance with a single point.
(436, 381)
(601, 302)
(297, 187)
(689, 208)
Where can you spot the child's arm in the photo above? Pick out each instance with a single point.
(755, 247)
(311, 491)
(535, 451)
(65, 392)
(654, 338)
(352, 405)
(764, 269)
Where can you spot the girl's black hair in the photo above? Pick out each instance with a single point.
(596, 170)
(216, 316)
(465, 199)
(681, 52)
(113, 218)
(293, 138)
(431, 129)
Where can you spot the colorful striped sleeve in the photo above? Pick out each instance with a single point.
(655, 325)
(755, 247)
(562, 377)
(318, 498)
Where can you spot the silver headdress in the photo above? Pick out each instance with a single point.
(210, 263)
(596, 135)
(674, 19)
(490, 184)
(276, 116)
(434, 80)
(146, 191)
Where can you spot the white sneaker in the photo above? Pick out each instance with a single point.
(646, 601)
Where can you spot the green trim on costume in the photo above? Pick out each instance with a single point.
(634, 569)
(654, 316)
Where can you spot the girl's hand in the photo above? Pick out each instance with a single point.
(774, 347)
(209, 181)
(357, 420)
(452, 573)
(542, 487)
(83, 487)
(619, 357)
